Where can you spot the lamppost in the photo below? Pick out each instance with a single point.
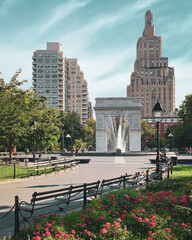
(34, 128)
(63, 140)
(157, 114)
(170, 136)
(68, 137)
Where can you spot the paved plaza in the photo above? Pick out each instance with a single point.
(99, 168)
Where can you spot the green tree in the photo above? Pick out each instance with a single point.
(47, 129)
(146, 131)
(182, 132)
(15, 113)
(72, 126)
(89, 133)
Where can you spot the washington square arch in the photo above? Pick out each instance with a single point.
(118, 124)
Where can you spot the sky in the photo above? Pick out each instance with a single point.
(101, 34)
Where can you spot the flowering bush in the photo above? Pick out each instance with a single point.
(124, 214)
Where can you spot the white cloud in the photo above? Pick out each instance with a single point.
(61, 12)
(183, 78)
(106, 73)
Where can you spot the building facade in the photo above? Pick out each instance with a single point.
(152, 78)
(61, 80)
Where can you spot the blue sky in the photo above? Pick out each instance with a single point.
(102, 34)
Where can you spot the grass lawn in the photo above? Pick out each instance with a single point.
(7, 172)
(164, 211)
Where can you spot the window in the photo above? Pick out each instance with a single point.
(54, 91)
(47, 86)
(47, 60)
(47, 55)
(47, 66)
(54, 81)
(54, 75)
(47, 71)
(54, 60)
(72, 63)
(47, 81)
(54, 66)
(55, 102)
(47, 75)
(40, 76)
(40, 60)
(72, 72)
(40, 66)
(39, 55)
(54, 97)
(40, 70)
(54, 71)
(40, 91)
(54, 86)
(54, 55)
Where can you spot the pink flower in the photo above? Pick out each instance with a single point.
(116, 231)
(150, 232)
(139, 219)
(73, 232)
(149, 238)
(36, 238)
(167, 230)
(111, 196)
(152, 224)
(183, 225)
(103, 231)
(102, 218)
(173, 235)
(123, 216)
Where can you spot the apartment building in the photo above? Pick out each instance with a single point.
(61, 80)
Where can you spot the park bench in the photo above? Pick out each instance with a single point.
(116, 183)
(53, 164)
(65, 199)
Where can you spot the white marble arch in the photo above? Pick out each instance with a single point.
(129, 109)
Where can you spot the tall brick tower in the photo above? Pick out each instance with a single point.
(152, 79)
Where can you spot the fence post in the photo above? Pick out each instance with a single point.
(124, 181)
(17, 225)
(171, 166)
(85, 195)
(147, 178)
(168, 170)
(14, 166)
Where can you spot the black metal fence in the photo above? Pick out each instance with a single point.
(78, 196)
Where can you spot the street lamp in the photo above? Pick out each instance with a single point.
(68, 137)
(157, 114)
(34, 128)
(170, 136)
(63, 140)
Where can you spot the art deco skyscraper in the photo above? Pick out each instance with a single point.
(152, 78)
